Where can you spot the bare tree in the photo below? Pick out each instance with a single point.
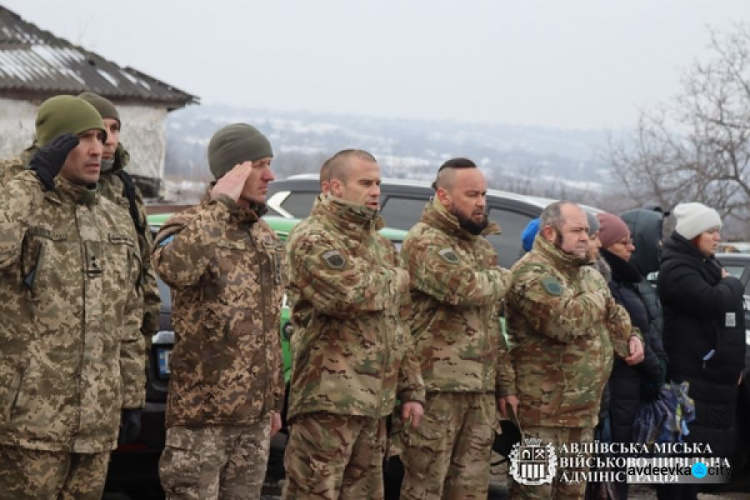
(696, 148)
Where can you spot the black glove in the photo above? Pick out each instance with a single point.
(50, 158)
(130, 426)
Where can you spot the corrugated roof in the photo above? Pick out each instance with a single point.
(34, 61)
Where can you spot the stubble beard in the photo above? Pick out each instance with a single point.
(582, 259)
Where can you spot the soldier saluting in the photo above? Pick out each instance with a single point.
(226, 389)
(72, 357)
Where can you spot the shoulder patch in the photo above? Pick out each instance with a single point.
(552, 286)
(334, 259)
(449, 255)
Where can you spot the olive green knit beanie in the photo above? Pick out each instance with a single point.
(65, 113)
(103, 105)
(235, 144)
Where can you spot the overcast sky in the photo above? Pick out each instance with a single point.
(559, 63)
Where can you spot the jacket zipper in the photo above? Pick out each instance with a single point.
(76, 424)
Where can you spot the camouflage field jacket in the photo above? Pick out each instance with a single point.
(12, 167)
(563, 324)
(351, 352)
(112, 187)
(456, 290)
(223, 264)
(71, 353)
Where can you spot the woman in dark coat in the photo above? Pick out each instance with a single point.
(629, 386)
(704, 330)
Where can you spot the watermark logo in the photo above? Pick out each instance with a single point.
(699, 470)
(533, 463)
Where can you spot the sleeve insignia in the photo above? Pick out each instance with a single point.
(552, 286)
(334, 259)
(449, 255)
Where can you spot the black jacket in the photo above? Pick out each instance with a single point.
(646, 228)
(630, 385)
(704, 336)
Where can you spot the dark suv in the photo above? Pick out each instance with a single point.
(402, 203)
(738, 265)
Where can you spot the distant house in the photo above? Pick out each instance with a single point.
(35, 65)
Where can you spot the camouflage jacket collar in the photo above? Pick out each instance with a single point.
(435, 215)
(562, 261)
(76, 194)
(347, 216)
(250, 214)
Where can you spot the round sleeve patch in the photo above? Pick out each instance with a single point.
(552, 286)
(449, 255)
(334, 259)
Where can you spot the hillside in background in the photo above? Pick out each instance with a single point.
(529, 160)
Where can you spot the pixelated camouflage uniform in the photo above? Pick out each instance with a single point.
(71, 355)
(456, 290)
(352, 356)
(223, 264)
(14, 166)
(563, 325)
(35, 474)
(112, 187)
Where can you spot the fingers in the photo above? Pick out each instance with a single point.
(506, 401)
(636, 353)
(67, 142)
(501, 405)
(275, 423)
(233, 182)
(412, 412)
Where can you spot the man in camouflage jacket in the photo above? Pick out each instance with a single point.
(226, 388)
(352, 356)
(115, 159)
(71, 354)
(456, 290)
(563, 325)
(112, 185)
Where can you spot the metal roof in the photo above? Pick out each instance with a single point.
(34, 62)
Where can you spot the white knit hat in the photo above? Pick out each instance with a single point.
(695, 218)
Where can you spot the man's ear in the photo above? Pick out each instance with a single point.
(443, 197)
(548, 233)
(336, 188)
